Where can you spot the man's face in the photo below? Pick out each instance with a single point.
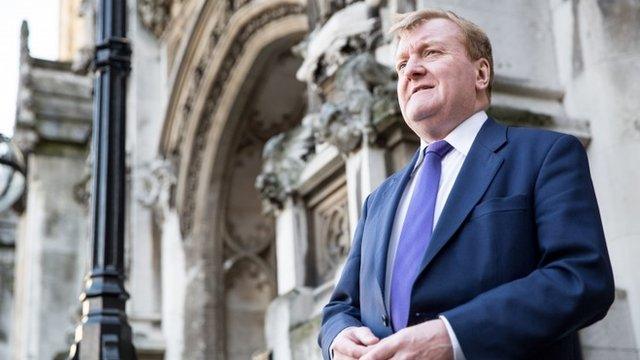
(436, 78)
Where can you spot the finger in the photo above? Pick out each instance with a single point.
(346, 346)
(365, 336)
(341, 356)
(381, 351)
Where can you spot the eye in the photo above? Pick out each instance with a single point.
(429, 52)
(401, 66)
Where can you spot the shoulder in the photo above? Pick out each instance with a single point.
(527, 135)
(539, 142)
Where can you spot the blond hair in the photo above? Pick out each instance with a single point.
(475, 40)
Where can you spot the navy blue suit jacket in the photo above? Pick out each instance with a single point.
(517, 262)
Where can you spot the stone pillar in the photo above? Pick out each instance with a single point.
(366, 169)
(291, 245)
(51, 255)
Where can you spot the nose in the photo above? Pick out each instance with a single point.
(414, 69)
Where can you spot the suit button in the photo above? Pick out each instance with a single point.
(385, 320)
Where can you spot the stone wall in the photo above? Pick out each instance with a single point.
(8, 221)
(50, 258)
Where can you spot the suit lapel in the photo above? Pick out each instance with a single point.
(390, 199)
(477, 172)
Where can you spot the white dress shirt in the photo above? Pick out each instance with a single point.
(461, 139)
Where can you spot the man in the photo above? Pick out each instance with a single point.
(489, 244)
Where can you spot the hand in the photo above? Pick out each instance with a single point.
(428, 340)
(352, 343)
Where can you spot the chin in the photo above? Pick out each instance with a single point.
(422, 115)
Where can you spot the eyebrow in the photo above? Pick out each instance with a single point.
(420, 45)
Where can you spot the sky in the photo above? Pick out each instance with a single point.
(42, 16)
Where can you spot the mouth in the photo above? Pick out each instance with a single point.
(421, 87)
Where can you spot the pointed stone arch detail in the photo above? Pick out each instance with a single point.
(209, 65)
(209, 89)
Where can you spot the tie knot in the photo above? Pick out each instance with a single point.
(439, 147)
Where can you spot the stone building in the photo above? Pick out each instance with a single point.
(255, 129)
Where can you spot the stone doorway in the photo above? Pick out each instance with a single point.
(275, 103)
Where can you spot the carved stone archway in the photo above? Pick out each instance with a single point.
(220, 67)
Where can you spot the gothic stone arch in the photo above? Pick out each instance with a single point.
(203, 117)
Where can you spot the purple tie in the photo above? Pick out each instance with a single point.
(416, 233)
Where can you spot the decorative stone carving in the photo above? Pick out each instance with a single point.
(156, 180)
(350, 94)
(284, 158)
(354, 90)
(363, 94)
(332, 225)
(321, 10)
(155, 14)
(213, 97)
(349, 32)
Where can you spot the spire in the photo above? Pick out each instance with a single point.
(24, 39)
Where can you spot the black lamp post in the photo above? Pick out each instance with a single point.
(104, 332)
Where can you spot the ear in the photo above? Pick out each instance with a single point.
(483, 73)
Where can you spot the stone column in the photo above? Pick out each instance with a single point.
(51, 254)
(291, 245)
(366, 169)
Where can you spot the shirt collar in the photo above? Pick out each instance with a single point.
(461, 138)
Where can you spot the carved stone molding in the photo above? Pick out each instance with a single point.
(155, 14)
(215, 91)
(236, 4)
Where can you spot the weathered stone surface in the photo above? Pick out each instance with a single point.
(7, 265)
(155, 14)
(304, 340)
(51, 252)
(613, 336)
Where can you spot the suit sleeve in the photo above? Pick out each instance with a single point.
(572, 286)
(343, 310)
